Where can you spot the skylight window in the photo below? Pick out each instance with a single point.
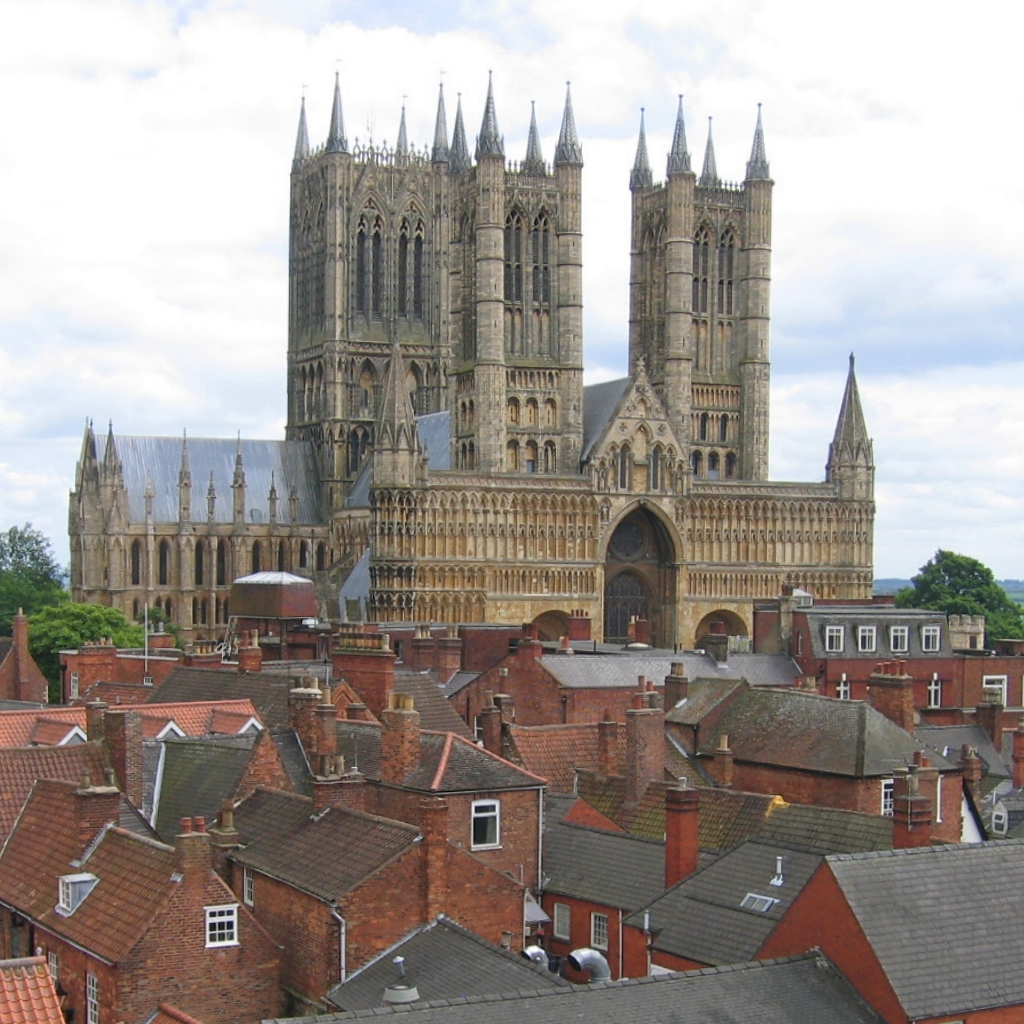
(71, 890)
(762, 904)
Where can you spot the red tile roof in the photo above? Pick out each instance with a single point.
(555, 751)
(26, 993)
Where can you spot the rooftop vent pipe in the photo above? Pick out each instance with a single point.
(587, 959)
(402, 990)
(536, 954)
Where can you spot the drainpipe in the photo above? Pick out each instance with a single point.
(620, 944)
(342, 943)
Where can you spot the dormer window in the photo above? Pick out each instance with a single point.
(930, 638)
(899, 639)
(761, 904)
(72, 890)
(834, 639)
(865, 639)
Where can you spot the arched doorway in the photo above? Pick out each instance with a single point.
(552, 625)
(640, 579)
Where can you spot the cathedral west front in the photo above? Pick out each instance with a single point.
(440, 443)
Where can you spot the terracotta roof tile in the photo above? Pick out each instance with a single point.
(555, 751)
(27, 995)
(581, 813)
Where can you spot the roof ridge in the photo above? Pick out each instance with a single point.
(562, 823)
(442, 762)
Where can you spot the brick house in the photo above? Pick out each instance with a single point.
(127, 922)
(925, 935)
(20, 678)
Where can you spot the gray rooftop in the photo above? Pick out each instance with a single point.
(599, 404)
(881, 617)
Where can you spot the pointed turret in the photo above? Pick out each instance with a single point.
(709, 173)
(757, 165)
(534, 162)
(110, 456)
(396, 451)
(459, 156)
(402, 145)
(238, 486)
(489, 142)
(272, 497)
(88, 460)
(640, 176)
(301, 138)
(439, 154)
(184, 483)
(679, 155)
(568, 150)
(211, 499)
(336, 141)
(851, 462)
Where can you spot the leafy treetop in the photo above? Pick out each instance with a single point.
(30, 577)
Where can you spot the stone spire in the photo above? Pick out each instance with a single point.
(402, 145)
(489, 142)
(851, 431)
(757, 165)
(568, 150)
(396, 449)
(211, 499)
(336, 141)
(851, 462)
(111, 459)
(709, 174)
(640, 176)
(301, 138)
(185, 472)
(238, 485)
(459, 156)
(679, 155)
(534, 162)
(272, 497)
(439, 154)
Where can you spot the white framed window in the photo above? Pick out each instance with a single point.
(935, 691)
(53, 963)
(247, 887)
(835, 639)
(762, 904)
(73, 686)
(999, 820)
(866, 639)
(561, 923)
(899, 639)
(931, 638)
(222, 925)
(843, 688)
(997, 687)
(71, 890)
(799, 645)
(147, 680)
(486, 825)
(887, 797)
(92, 998)
(599, 931)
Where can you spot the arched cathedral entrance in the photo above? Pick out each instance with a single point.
(640, 579)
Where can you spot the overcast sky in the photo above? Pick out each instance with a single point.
(144, 158)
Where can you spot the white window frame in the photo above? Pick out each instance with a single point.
(899, 639)
(73, 686)
(247, 887)
(92, 998)
(935, 691)
(599, 931)
(835, 639)
(995, 683)
(222, 925)
(561, 922)
(761, 904)
(1000, 820)
(843, 688)
(485, 810)
(888, 797)
(53, 965)
(867, 639)
(931, 639)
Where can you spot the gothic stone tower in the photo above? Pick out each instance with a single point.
(699, 283)
(472, 272)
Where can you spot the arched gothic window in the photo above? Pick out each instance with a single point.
(515, 230)
(530, 449)
(726, 254)
(723, 428)
(701, 269)
(377, 268)
(550, 462)
(540, 254)
(403, 269)
(697, 464)
(531, 412)
(623, 467)
(417, 272)
(513, 410)
(512, 456)
(654, 469)
(713, 466)
(136, 563)
(257, 556)
(303, 555)
(164, 563)
(222, 564)
(362, 268)
(550, 413)
(730, 465)
(199, 567)
(703, 426)
(321, 557)
(281, 563)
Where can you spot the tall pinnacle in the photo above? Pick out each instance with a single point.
(459, 156)
(185, 472)
(397, 419)
(534, 162)
(757, 165)
(851, 431)
(709, 175)
(489, 141)
(640, 176)
(301, 138)
(439, 154)
(238, 480)
(678, 155)
(402, 145)
(336, 141)
(568, 150)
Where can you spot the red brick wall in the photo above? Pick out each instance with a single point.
(483, 648)
(264, 769)
(580, 934)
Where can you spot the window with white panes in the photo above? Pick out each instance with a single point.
(931, 639)
(599, 931)
(486, 824)
(843, 688)
(561, 922)
(222, 926)
(92, 999)
(935, 691)
(834, 639)
(887, 797)
(899, 639)
(996, 687)
(866, 639)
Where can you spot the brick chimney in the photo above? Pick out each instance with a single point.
(989, 715)
(609, 757)
(95, 806)
(123, 739)
(302, 704)
(682, 835)
(420, 650)
(399, 739)
(716, 642)
(1018, 754)
(326, 725)
(24, 688)
(529, 646)
(676, 685)
(490, 725)
(722, 765)
(193, 846)
(95, 713)
(971, 764)
(449, 655)
(579, 625)
(911, 811)
(434, 827)
(347, 790)
(224, 838)
(250, 659)
(357, 713)
(891, 691)
(367, 664)
(645, 750)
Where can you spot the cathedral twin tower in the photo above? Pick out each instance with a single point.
(439, 432)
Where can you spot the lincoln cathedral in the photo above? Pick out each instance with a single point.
(441, 446)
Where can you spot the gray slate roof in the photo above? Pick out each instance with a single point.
(435, 711)
(157, 460)
(795, 729)
(599, 404)
(434, 433)
(267, 691)
(951, 738)
(882, 617)
(611, 868)
(805, 988)
(701, 919)
(946, 922)
(827, 829)
(446, 962)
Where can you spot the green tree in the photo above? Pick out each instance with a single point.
(30, 577)
(66, 626)
(959, 585)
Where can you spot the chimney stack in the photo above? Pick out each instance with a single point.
(682, 833)
(95, 806)
(303, 701)
(971, 764)
(609, 755)
(645, 750)
(676, 685)
(123, 739)
(490, 725)
(434, 827)
(722, 766)
(891, 691)
(193, 846)
(399, 739)
(989, 715)
(911, 812)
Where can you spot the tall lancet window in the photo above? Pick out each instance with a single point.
(417, 272)
(361, 268)
(540, 245)
(515, 286)
(701, 270)
(377, 268)
(403, 269)
(726, 260)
